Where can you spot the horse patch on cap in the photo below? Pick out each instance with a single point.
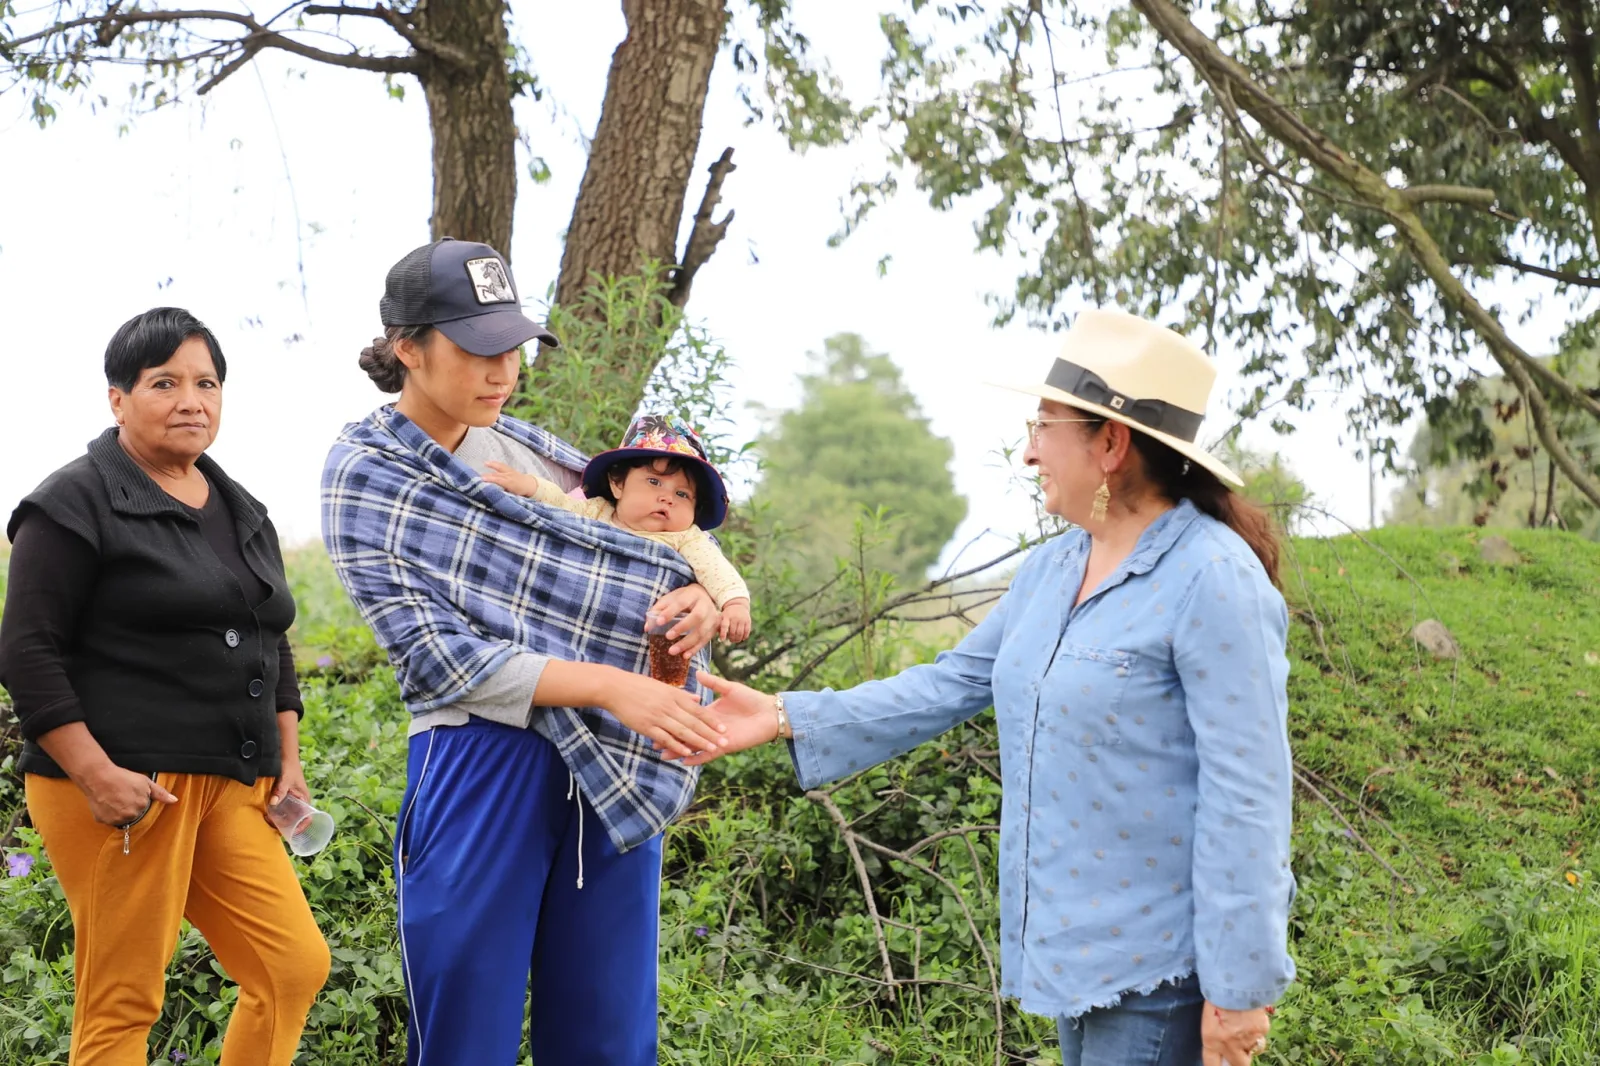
(489, 281)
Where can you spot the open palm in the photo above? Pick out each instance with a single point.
(748, 716)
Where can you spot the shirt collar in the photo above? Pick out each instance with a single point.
(1157, 539)
(133, 492)
(1160, 536)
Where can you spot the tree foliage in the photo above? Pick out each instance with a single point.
(1484, 466)
(855, 440)
(1327, 188)
(1270, 482)
(463, 54)
(627, 350)
(460, 53)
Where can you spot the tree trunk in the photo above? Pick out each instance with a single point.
(469, 115)
(631, 201)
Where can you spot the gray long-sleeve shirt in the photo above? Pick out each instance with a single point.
(507, 696)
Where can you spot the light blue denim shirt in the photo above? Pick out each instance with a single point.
(1144, 826)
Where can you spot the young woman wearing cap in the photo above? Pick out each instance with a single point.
(144, 643)
(1137, 670)
(513, 627)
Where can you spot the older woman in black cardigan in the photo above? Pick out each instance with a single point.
(143, 643)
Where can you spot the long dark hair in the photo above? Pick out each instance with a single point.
(1177, 478)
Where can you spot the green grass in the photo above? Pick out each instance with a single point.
(1482, 771)
(1475, 939)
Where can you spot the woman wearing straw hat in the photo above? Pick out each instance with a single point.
(1137, 671)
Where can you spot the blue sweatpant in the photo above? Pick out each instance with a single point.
(486, 868)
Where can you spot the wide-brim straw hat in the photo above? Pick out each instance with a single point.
(1130, 370)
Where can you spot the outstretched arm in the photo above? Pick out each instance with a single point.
(542, 490)
(834, 734)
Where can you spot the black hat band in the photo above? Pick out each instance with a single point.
(1158, 415)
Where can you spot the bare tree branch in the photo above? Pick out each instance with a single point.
(1368, 814)
(1084, 224)
(418, 40)
(113, 23)
(918, 595)
(706, 234)
(1566, 277)
(884, 610)
(872, 980)
(977, 937)
(248, 50)
(1448, 194)
(257, 37)
(1355, 834)
(960, 830)
(340, 10)
(826, 801)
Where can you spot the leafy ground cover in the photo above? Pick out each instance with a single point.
(1445, 849)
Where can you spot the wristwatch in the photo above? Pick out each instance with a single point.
(785, 732)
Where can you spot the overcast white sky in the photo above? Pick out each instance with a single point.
(212, 205)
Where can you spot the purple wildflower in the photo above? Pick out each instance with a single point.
(179, 1056)
(700, 931)
(19, 864)
(324, 662)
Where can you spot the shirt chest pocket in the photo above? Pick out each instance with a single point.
(1088, 685)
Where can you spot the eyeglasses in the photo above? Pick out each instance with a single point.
(1033, 425)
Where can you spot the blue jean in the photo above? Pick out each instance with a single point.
(487, 868)
(1160, 1028)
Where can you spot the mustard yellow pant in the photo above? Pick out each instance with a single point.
(212, 858)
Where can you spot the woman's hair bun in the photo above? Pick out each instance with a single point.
(382, 365)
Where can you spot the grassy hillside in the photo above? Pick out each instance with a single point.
(1472, 779)
(1446, 912)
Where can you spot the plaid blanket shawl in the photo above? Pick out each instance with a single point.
(456, 575)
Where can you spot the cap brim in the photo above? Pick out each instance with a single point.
(495, 332)
(1188, 449)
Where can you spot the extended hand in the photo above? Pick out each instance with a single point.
(671, 717)
(511, 480)
(746, 717)
(1232, 1037)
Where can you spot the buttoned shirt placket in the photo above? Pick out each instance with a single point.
(1076, 564)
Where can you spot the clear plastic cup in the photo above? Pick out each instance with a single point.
(306, 829)
(665, 667)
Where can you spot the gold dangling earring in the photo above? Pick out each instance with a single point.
(1102, 497)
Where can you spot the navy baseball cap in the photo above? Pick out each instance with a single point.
(464, 290)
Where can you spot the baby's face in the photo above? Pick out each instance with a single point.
(651, 501)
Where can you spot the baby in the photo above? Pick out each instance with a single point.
(660, 486)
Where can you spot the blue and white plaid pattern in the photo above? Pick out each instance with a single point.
(456, 575)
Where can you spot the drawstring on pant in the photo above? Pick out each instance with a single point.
(573, 793)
